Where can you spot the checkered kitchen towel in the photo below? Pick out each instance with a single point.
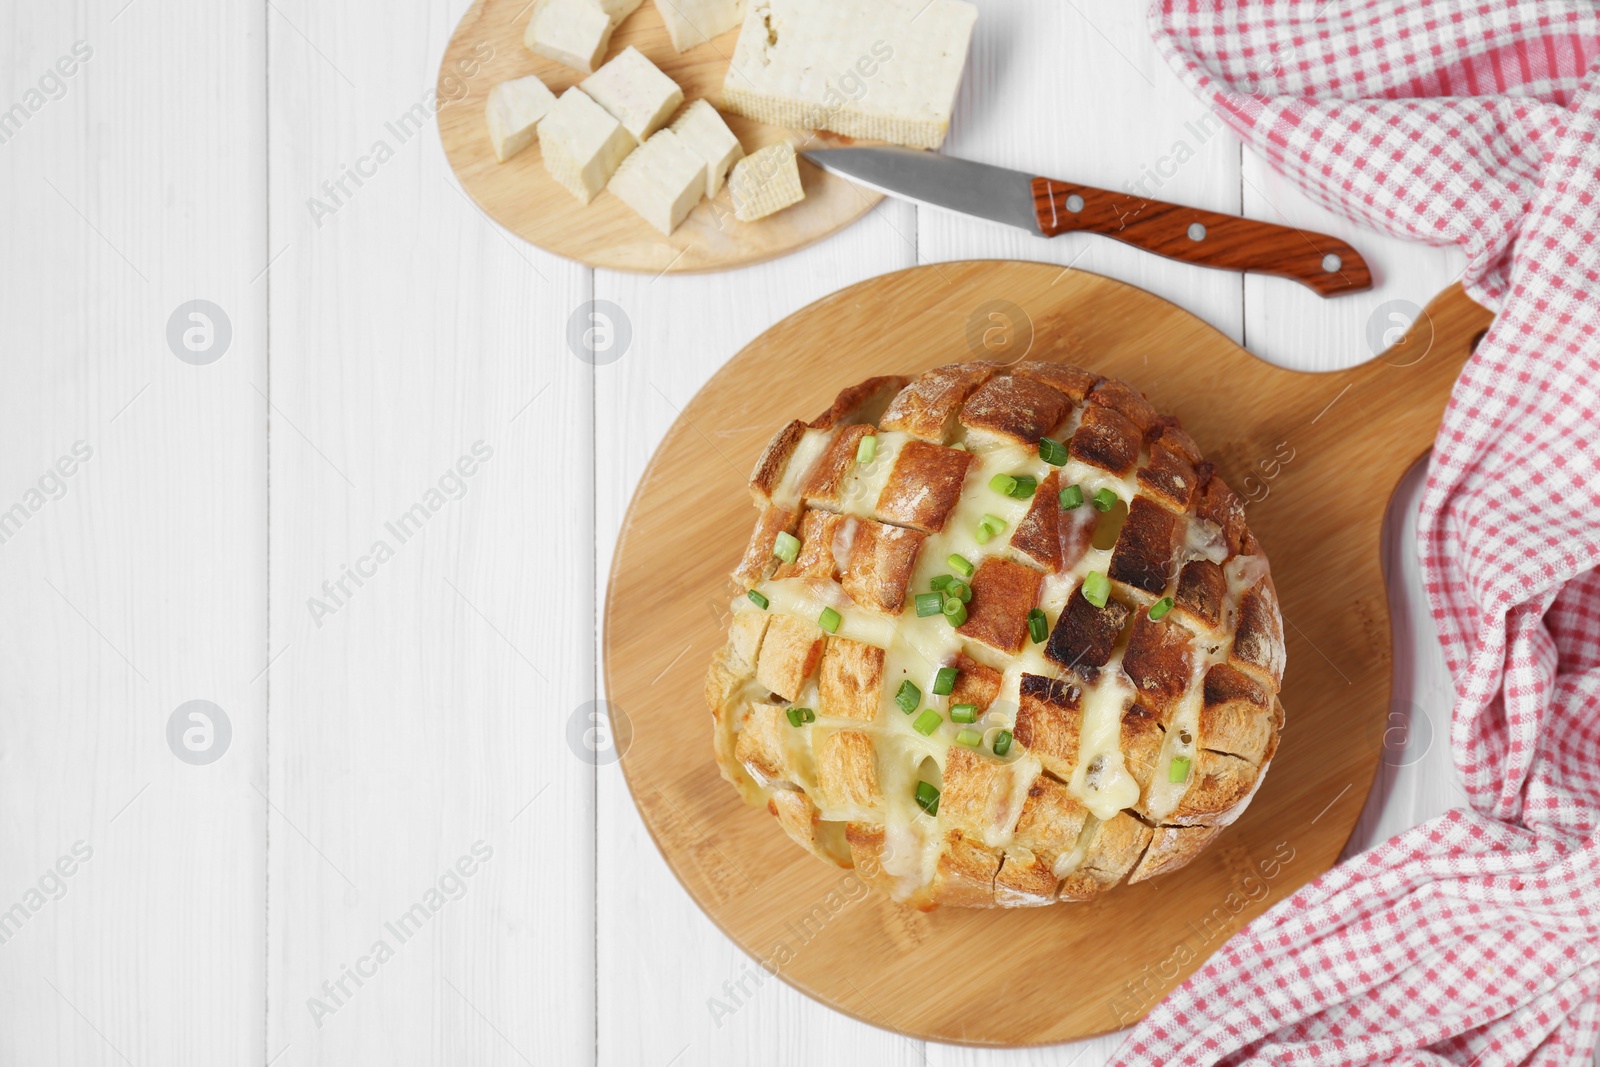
(1474, 938)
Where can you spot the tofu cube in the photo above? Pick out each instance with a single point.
(574, 33)
(636, 93)
(765, 182)
(515, 108)
(582, 144)
(692, 22)
(662, 181)
(617, 10)
(703, 132)
(885, 71)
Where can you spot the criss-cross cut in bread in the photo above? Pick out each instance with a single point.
(983, 696)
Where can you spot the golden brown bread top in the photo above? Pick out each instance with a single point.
(1095, 693)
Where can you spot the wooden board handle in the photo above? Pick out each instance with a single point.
(1206, 238)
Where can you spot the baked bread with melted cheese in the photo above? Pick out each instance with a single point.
(1138, 727)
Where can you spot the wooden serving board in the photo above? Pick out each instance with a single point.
(1318, 457)
(521, 196)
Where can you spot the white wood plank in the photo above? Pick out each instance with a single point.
(428, 711)
(137, 582)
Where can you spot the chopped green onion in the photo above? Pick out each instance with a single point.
(963, 713)
(829, 620)
(1002, 742)
(944, 680)
(1038, 626)
(929, 604)
(1071, 497)
(1026, 485)
(1096, 588)
(758, 600)
(959, 590)
(1003, 484)
(955, 611)
(988, 526)
(928, 798)
(1178, 769)
(908, 696)
(798, 716)
(1104, 499)
(939, 581)
(1160, 608)
(960, 565)
(926, 723)
(970, 738)
(786, 547)
(867, 449)
(1052, 451)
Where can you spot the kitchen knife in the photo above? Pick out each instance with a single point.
(1048, 207)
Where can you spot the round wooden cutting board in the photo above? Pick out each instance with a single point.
(1317, 456)
(521, 196)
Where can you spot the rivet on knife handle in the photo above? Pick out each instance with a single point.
(1206, 238)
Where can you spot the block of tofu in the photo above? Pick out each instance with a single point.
(662, 181)
(515, 108)
(582, 144)
(765, 182)
(635, 91)
(703, 132)
(886, 71)
(617, 10)
(574, 33)
(692, 22)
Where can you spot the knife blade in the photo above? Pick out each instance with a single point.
(1047, 207)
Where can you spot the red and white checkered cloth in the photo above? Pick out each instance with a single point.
(1475, 938)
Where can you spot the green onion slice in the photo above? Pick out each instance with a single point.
(758, 600)
(797, 716)
(908, 696)
(1002, 742)
(867, 449)
(829, 620)
(1096, 588)
(1038, 626)
(1160, 608)
(1052, 451)
(970, 738)
(1104, 499)
(958, 590)
(1178, 769)
(944, 681)
(928, 798)
(939, 581)
(1026, 485)
(1071, 497)
(929, 604)
(960, 565)
(926, 723)
(1003, 484)
(963, 713)
(786, 547)
(955, 611)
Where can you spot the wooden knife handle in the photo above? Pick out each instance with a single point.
(1206, 238)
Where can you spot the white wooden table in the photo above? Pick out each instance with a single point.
(402, 740)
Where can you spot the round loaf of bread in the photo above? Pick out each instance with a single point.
(1002, 638)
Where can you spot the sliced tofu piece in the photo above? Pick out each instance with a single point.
(515, 108)
(636, 93)
(617, 10)
(886, 71)
(662, 181)
(765, 182)
(692, 22)
(582, 144)
(574, 33)
(703, 132)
